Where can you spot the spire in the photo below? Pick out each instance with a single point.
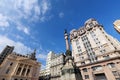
(33, 55)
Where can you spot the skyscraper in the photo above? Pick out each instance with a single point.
(96, 53)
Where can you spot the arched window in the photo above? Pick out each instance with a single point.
(23, 72)
(18, 71)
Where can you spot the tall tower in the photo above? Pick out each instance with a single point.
(7, 50)
(69, 70)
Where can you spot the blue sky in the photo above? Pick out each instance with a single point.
(40, 24)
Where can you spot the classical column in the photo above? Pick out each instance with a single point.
(17, 66)
(22, 70)
(26, 70)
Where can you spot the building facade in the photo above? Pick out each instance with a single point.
(57, 63)
(96, 53)
(50, 55)
(19, 67)
(45, 73)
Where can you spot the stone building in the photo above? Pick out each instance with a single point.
(19, 67)
(96, 53)
(57, 63)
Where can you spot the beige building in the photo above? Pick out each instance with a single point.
(19, 67)
(96, 53)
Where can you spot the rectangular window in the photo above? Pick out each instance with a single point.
(7, 71)
(117, 78)
(115, 73)
(86, 76)
(85, 70)
(111, 65)
(106, 57)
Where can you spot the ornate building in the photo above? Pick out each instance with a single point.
(19, 67)
(96, 53)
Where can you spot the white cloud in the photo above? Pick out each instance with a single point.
(45, 6)
(3, 21)
(19, 47)
(42, 56)
(24, 29)
(18, 10)
(61, 14)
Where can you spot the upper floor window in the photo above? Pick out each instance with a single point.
(115, 73)
(97, 68)
(86, 76)
(11, 63)
(111, 65)
(106, 57)
(85, 70)
(82, 63)
(7, 71)
(77, 42)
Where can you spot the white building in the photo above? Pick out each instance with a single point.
(50, 55)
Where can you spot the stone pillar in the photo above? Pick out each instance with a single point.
(117, 65)
(91, 75)
(22, 70)
(109, 75)
(26, 70)
(17, 66)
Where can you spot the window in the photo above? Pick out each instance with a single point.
(111, 65)
(78, 47)
(82, 63)
(18, 71)
(115, 73)
(97, 68)
(77, 42)
(106, 57)
(28, 71)
(23, 72)
(7, 71)
(86, 76)
(85, 70)
(11, 64)
(117, 78)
